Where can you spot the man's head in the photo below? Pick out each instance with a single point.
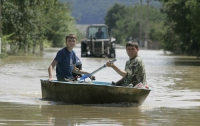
(134, 44)
(70, 41)
(132, 49)
(99, 29)
(71, 36)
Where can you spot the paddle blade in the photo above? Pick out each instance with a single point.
(85, 76)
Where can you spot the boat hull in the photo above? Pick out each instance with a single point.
(96, 93)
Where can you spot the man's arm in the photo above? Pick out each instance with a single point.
(77, 71)
(119, 71)
(50, 69)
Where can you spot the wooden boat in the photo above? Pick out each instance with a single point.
(95, 92)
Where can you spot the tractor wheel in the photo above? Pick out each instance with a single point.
(83, 50)
(112, 55)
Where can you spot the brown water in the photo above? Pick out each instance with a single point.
(173, 101)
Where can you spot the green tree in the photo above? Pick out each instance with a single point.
(194, 20)
(182, 16)
(31, 22)
(114, 14)
(61, 24)
(128, 25)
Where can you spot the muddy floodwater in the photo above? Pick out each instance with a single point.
(173, 101)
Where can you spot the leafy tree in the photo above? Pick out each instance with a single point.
(194, 20)
(117, 12)
(182, 15)
(61, 24)
(31, 22)
(126, 21)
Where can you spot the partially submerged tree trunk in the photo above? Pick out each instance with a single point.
(25, 46)
(34, 47)
(41, 47)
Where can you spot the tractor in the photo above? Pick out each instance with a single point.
(98, 43)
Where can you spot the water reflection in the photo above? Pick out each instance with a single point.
(71, 115)
(89, 116)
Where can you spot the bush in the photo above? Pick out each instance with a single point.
(3, 56)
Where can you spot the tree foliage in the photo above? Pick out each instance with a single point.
(117, 12)
(183, 21)
(130, 22)
(33, 21)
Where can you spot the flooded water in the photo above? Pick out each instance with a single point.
(173, 101)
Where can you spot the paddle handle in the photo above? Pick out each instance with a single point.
(112, 61)
(102, 67)
(89, 75)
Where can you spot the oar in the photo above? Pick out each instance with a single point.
(89, 75)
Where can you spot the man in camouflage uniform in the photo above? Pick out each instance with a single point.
(134, 69)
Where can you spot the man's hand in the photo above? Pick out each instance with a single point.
(109, 64)
(51, 79)
(92, 78)
(76, 69)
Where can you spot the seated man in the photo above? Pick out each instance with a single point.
(134, 72)
(99, 34)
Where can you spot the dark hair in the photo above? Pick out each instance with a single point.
(72, 36)
(134, 44)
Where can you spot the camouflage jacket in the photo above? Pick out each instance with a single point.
(136, 73)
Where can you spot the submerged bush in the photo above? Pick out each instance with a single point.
(3, 56)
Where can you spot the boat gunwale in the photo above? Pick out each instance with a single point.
(93, 84)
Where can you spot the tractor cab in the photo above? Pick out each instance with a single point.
(98, 43)
(98, 32)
